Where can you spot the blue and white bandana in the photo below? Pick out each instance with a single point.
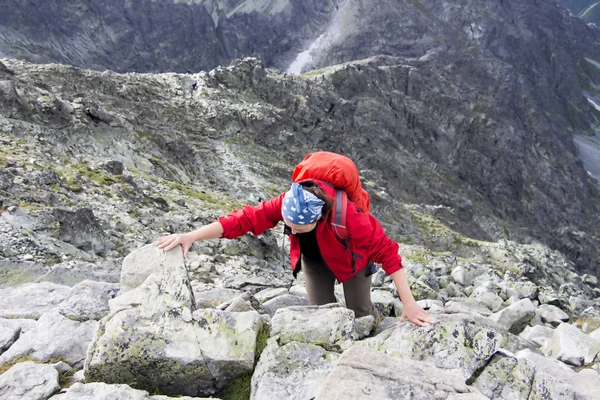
(300, 206)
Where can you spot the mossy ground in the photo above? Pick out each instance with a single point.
(239, 388)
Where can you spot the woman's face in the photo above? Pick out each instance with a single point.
(301, 228)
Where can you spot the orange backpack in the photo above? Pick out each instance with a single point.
(340, 172)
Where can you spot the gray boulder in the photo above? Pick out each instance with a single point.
(283, 301)
(8, 335)
(294, 371)
(267, 294)
(88, 300)
(138, 265)
(516, 316)
(329, 326)
(364, 374)
(29, 381)
(103, 391)
(459, 342)
(505, 377)
(572, 346)
(539, 334)
(31, 300)
(214, 297)
(154, 337)
(54, 337)
(554, 380)
(552, 315)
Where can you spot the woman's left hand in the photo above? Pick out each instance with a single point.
(415, 314)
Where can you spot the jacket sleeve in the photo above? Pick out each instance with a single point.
(367, 233)
(252, 219)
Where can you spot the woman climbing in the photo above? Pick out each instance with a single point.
(330, 238)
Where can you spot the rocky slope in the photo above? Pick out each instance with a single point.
(587, 10)
(476, 110)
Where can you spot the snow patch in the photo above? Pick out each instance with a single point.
(592, 102)
(594, 63)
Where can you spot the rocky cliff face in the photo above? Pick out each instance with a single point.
(474, 110)
(585, 9)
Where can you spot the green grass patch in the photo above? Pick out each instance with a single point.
(240, 387)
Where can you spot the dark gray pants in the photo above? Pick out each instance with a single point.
(320, 282)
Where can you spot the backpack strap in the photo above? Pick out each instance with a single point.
(338, 215)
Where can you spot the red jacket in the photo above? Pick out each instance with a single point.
(366, 238)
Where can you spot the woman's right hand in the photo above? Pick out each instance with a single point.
(171, 241)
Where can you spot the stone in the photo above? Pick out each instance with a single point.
(293, 371)
(267, 294)
(29, 381)
(551, 314)
(329, 326)
(8, 335)
(364, 374)
(385, 303)
(554, 380)
(31, 300)
(595, 335)
(113, 167)
(214, 297)
(505, 377)
(491, 300)
(460, 342)
(516, 316)
(54, 337)
(103, 391)
(286, 300)
(154, 337)
(139, 264)
(88, 300)
(540, 335)
(572, 346)
(363, 326)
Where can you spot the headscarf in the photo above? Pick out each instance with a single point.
(301, 206)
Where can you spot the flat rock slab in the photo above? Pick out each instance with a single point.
(88, 300)
(457, 341)
(54, 337)
(29, 381)
(572, 346)
(294, 371)
(31, 300)
(329, 326)
(104, 391)
(366, 374)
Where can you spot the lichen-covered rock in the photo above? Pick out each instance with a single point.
(154, 337)
(88, 300)
(458, 341)
(539, 334)
(285, 300)
(139, 264)
(505, 377)
(554, 380)
(329, 326)
(364, 374)
(516, 316)
(214, 297)
(54, 337)
(294, 371)
(572, 346)
(364, 325)
(551, 314)
(31, 300)
(104, 391)
(29, 381)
